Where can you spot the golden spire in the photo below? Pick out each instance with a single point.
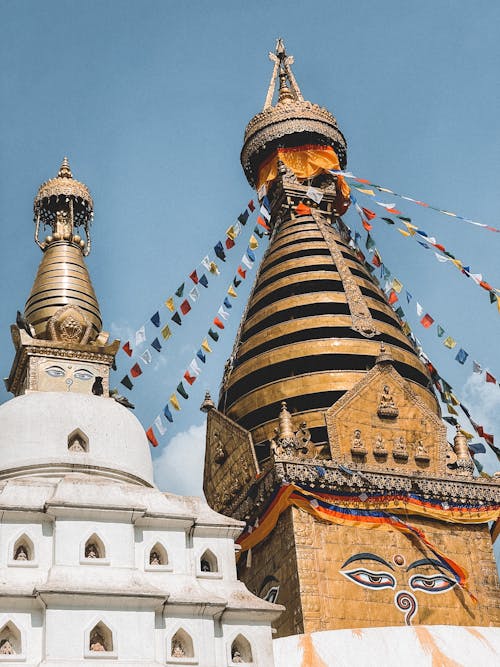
(282, 68)
(64, 169)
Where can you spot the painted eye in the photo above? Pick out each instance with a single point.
(83, 374)
(55, 371)
(370, 579)
(436, 583)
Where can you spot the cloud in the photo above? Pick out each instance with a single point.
(483, 401)
(179, 469)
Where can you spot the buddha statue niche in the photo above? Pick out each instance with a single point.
(97, 642)
(21, 553)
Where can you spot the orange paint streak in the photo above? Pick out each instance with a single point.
(357, 632)
(428, 643)
(310, 658)
(475, 633)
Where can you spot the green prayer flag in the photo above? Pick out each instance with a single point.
(402, 217)
(213, 334)
(388, 221)
(180, 290)
(370, 243)
(493, 297)
(440, 331)
(182, 391)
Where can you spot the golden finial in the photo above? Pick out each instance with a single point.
(285, 427)
(282, 68)
(385, 356)
(65, 169)
(207, 404)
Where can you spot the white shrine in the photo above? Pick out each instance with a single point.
(98, 566)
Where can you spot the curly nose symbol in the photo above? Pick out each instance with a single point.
(69, 382)
(405, 602)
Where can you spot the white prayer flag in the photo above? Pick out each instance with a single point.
(140, 336)
(206, 262)
(194, 294)
(441, 258)
(314, 194)
(476, 277)
(223, 313)
(476, 368)
(262, 191)
(159, 425)
(387, 206)
(194, 368)
(420, 310)
(265, 213)
(247, 262)
(146, 357)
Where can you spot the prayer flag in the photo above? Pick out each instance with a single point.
(251, 205)
(243, 217)
(155, 319)
(485, 285)
(451, 409)
(213, 334)
(420, 310)
(408, 296)
(449, 342)
(393, 297)
(226, 301)
(127, 349)
(175, 402)
(302, 209)
(185, 307)
(229, 243)
(440, 331)
(399, 311)
(135, 371)
(206, 346)
(241, 272)
(223, 313)
(261, 192)
(126, 382)
(176, 318)
(206, 262)
(251, 254)
(194, 277)
(219, 251)
(403, 232)
(180, 390)
(204, 280)
(230, 233)
(257, 230)
(370, 243)
(156, 345)
(461, 356)
(376, 260)
(201, 356)
(366, 191)
(231, 291)
(265, 213)
(193, 294)
(253, 243)
(179, 291)
(406, 328)
(194, 368)
(397, 285)
(146, 357)
(246, 262)
(493, 297)
(170, 304)
(236, 282)
(189, 379)
(214, 268)
(165, 332)
(369, 214)
(168, 414)
(140, 336)
(426, 321)
(218, 323)
(366, 225)
(388, 221)
(151, 437)
(489, 378)
(159, 425)
(387, 206)
(476, 368)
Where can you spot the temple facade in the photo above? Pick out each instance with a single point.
(96, 563)
(327, 438)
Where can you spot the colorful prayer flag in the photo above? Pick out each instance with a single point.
(170, 304)
(449, 342)
(176, 318)
(257, 230)
(151, 437)
(476, 368)
(180, 390)
(126, 382)
(204, 280)
(206, 346)
(253, 243)
(230, 233)
(185, 307)
(127, 349)
(376, 259)
(400, 312)
(189, 378)
(155, 319)
(175, 402)
(366, 225)
(236, 282)
(369, 214)
(219, 251)
(194, 368)
(223, 313)
(165, 332)
(461, 356)
(397, 285)
(168, 414)
(218, 323)
(426, 321)
(227, 303)
(440, 331)
(419, 308)
(135, 371)
(393, 297)
(213, 268)
(229, 243)
(243, 217)
(251, 205)
(369, 243)
(140, 336)
(250, 254)
(179, 291)
(213, 334)
(159, 425)
(201, 356)
(146, 357)
(246, 262)
(194, 277)
(231, 291)
(388, 221)
(156, 345)
(489, 378)
(194, 294)
(302, 209)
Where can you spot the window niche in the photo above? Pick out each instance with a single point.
(99, 642)
(241, 651)
(22, 552)
(156, 559)
(208, 566)
(78, 442)
(93, 551)
(11, 645)
(181, 649)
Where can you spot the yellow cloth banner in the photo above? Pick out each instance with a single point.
(175, 402)
(170, 303)
(253, 243)
(304, 161)
(231, 291)
(206, 346)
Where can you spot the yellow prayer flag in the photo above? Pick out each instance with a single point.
(468, 435)
(231, 291)
(170, 304)
(454, 399)
(175, 402)
(411, 228)
(366, 191)
(206, 346)
(498, 303)
(403, 232)
(406, 328)
(165, 332)
(453, 215)
(253, 243)
(451, 410)
(213, 268)
(449, 342)
(231, 233)
(397, 285)
(457, 263)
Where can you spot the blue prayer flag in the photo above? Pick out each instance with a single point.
(201, 356)
(461, 356)
(168, 414)
(227, 303)
(156, 345)
(155, 319)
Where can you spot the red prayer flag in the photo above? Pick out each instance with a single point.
(127, 349)
(194, 277)
(263, 223)
(485, 285)
(151, 437)
(369, 214)
(229, 243)
(302, 209)
(251, 205)
(393, 297)
(394, 211)
(490, 439)
(366, 225)
(490, 378)
(189, 378)
(218, 323)
(360, 256)
(185, 307)
(135, 371)
(376, 261)
(422, 203)
(439, 247)
(242, 273)
(363, 180)
(426, 321)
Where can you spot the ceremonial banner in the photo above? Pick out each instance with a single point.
(305, 162)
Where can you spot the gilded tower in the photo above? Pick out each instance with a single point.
(327, 438)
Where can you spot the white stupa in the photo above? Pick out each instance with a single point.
(98, 566)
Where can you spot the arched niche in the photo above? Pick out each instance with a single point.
(181, 645)
(10, 641)
(241, 651)
(99, 639)
(94, 549)
(157, 557)
(22, 551)
(78, 442)
(208, 562)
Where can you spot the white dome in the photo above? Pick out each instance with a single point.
(35, 429)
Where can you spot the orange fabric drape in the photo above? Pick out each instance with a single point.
(305, 162)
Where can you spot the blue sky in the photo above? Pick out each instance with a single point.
(150, 99)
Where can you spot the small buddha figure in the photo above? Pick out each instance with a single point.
(379, 447)
(205, 566)
(357, 446)
(400, 452)
(64, 228)
(6, 647)
(91, 551)
(387, 408)
(21, 553)
(177, 649)
(76, 446)
(154, 558)
(421, 453)
(220, 452)
(236, 656)
(97, 642)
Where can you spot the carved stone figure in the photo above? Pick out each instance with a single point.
(21, 553)
(97, 642)
(178, 649)
(220, 452)
(387, 409)
(379, 448)
(91, 551)
(357, 446)
(421, 453)
(205, 566)
(400, 451)
(76, 446)
(154, 558)
(236, 656)
(6, 647)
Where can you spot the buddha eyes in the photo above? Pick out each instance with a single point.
(55, 372)
(436, 583)
(82, 374)
(371, 579)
